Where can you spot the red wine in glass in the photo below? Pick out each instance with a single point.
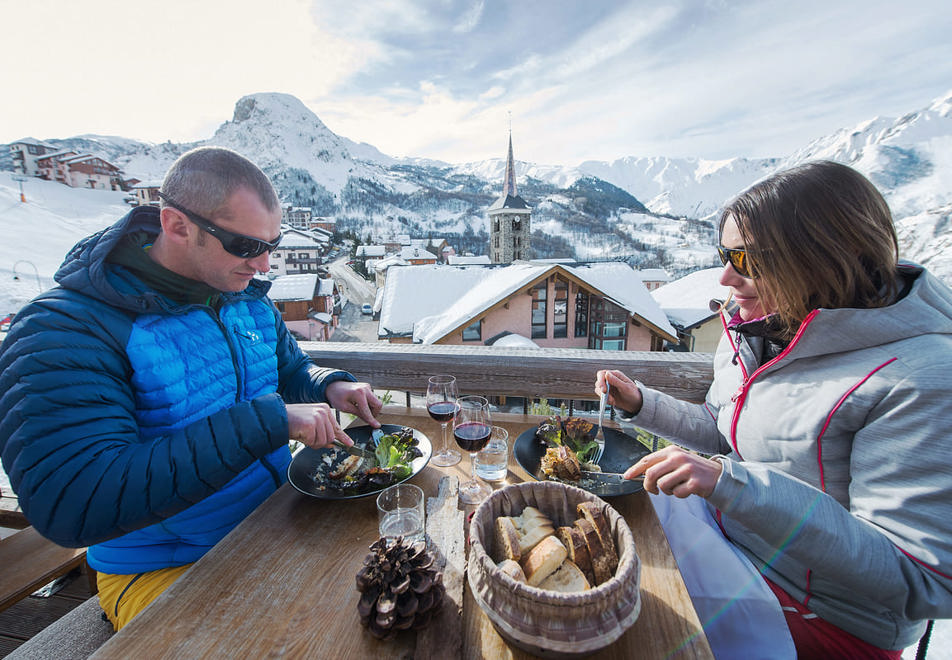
(472, 429)
(441, 395)
(442, 411)
(472, 436)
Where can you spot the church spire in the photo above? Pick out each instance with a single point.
(509, 185)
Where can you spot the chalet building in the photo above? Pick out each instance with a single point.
(599, 306)
(468, 260)
(52, 166)
(147, 192)
(382, 267)
(298, 217)
(509, 216)
(691, 304)
(370, 252)
(299, 252)
(325, 224)
(309, 305)
(654, 277)
(25, 153)
(34, 158)
(417, 256)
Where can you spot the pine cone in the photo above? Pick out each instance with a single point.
(399, 589)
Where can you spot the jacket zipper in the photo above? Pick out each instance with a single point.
(740, 395)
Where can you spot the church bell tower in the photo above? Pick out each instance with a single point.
(509, 218)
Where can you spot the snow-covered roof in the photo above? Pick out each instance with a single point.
(148, 184)
(513, 340)
(323, 317)
(294, 239)
(616, 281)
(370, 251)
(457, 260)
(414, 252)
(401, 303)
(293, 287)
(325, 287)
(56, 154)
(392, 260)
(686, 301)
(654, 275)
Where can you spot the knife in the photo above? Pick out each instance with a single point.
(354, 450)
(609, 477)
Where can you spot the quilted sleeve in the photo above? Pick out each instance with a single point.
(69, 439)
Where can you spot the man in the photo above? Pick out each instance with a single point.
(147, 402)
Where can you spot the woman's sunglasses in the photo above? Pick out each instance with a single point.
(737, 259)
(246, 247)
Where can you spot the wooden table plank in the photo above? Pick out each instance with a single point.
(282, 584)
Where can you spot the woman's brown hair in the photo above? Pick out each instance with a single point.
(817, 235)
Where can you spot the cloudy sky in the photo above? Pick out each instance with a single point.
(593, 79)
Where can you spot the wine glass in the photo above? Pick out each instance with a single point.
(441, 395)
(472, 428)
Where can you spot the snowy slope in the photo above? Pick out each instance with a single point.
(36, 235)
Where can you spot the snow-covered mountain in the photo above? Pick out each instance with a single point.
(654, 211)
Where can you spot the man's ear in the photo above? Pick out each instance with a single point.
(174, 225)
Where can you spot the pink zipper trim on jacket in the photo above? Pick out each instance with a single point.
(925, 565)
(741, 394)
(829, 418)
(727, 332)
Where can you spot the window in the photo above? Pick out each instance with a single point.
(496, 224)
(517, 225)
(581, 314)
(539, 294)
(560, 308)
(609, 324)
(474, 331)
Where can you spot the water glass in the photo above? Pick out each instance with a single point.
(492, 463)
(401, 512)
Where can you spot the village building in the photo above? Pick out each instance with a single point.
(324, 224)
(509, 219)
(654, 277)
(299, 252)
(687, 302)
(309, 305)
(147, 192)
(26, 152)
(599, 306)
(417, 256)
(34, 158)
(468, 260)
(298, 217)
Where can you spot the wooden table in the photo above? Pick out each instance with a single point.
(281, 584)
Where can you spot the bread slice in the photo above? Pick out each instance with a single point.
(533, 526)
(574, 542)
(543, 560)
(567, 578)
(507, 545)
(593, 513)
(600, 564)
(512, 569)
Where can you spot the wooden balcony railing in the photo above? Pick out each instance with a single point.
(551, 373)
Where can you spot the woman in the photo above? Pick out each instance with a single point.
(827, 419)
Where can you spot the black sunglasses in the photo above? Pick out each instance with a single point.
(246, 247)
(737, 259)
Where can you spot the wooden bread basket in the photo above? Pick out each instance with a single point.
(548, 623)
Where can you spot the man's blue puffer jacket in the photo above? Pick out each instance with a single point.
(145, 429)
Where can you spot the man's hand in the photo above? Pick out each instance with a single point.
(623, 393)
(677, 472)
(355, 399)
(315, 425)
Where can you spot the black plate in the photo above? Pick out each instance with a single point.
(310, 462)
(621, 452)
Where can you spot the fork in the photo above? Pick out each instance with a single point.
(600, 435)
(375, 435)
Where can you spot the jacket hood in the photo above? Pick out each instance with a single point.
(926, 309)
(86, 270)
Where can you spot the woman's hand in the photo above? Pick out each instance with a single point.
(623, 393)
(354, 399)
(677, 472)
